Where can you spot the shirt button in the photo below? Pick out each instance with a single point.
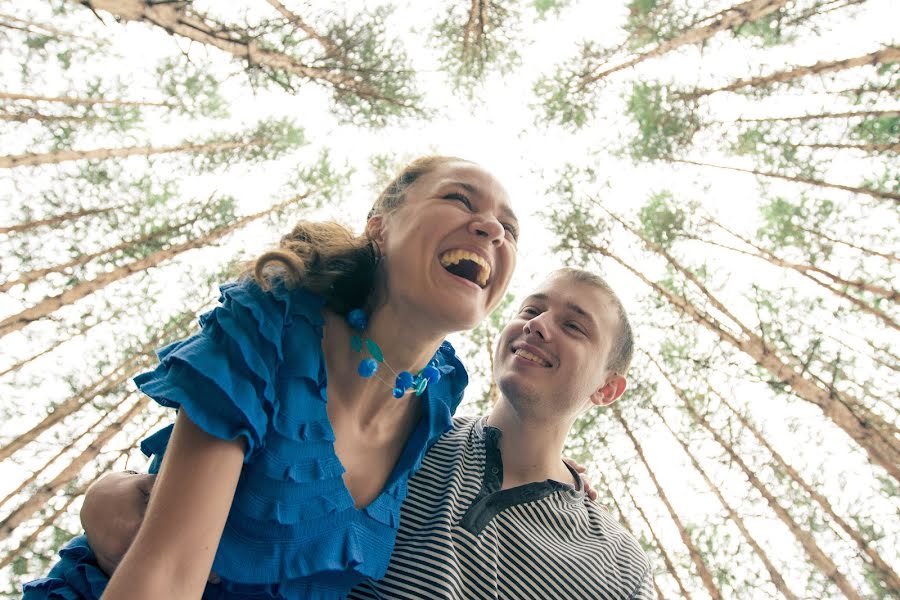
(495, 470)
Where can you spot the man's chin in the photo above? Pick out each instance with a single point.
(517, 391)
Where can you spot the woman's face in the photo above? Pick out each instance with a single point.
(450, 249)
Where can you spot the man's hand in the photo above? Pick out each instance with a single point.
(112, 514)
(588, 488)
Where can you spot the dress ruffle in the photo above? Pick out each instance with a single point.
(75, 577)
(293, 531)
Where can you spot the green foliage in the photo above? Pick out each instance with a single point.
(655, 21)
(775, 151)
(380, 82)
(565, 99)
(879, 130)
(270, 139)
(327, 183)
(579, 232)
(766, 31)
(479, 43)
(193, 88)
(790, 224)
(666, 124)
(661, 221)
(544, 8)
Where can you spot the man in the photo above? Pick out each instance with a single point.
(494, 512)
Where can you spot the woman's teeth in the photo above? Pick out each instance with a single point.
(479, 272)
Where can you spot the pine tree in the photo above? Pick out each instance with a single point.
(367, 73)
(872, 432)
(480, 37)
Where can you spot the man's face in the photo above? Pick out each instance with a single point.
(551, 357)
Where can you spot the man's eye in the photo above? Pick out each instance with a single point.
(512, 230)
(459, 198)
(575, 327)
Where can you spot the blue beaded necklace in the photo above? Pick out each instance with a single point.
(368, 367)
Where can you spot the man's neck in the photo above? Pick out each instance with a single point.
(531, 449)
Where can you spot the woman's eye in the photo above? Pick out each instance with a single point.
(529, 311)
(512, 230)
(459, 198)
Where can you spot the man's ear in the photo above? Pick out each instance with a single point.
(375, 230)
(610, 391)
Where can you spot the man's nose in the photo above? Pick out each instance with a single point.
(538, 327)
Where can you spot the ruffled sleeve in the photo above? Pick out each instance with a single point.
(223, 377)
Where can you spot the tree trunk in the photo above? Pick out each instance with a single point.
(816, 555)
(142, 357)
(69, 216)
(722, 21)
(834, 115)
(49, 489)
(817, 182)
(32, 276)
(888, 575)
(776, 577)
(179, 19)
(670, 566)
(696, 557)
(804, 270)
(51, 304)
(65, 448)
(47, 28)
(869, 430)
(51, 158)
(79, 101)
(859, 284)
(24, 117)
(331, 49)
(885, 55)
(870, 148)
(866, 251)
(73, 495)
(83, 329)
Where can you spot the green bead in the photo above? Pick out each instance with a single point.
(356, 342)
(374, 350)
(420, 387)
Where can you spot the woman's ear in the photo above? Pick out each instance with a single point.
(375, 230)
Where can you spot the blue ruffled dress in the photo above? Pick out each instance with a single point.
(256, 371)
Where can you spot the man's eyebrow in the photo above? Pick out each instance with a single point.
(472, 189)
(581, 312)
(535, 297)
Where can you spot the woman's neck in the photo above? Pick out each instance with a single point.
(406, 347)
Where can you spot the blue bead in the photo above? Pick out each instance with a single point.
(357, 319)
(367, 367)
(431, 374)
(398, 392)
(404, 380)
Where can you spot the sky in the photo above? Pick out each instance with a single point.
(498, 129)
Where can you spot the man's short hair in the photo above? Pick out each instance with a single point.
(622, 349)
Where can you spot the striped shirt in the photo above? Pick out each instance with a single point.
(461, 536)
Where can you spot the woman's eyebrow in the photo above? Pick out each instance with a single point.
(475, 191)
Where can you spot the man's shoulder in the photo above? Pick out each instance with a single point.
(628, 549)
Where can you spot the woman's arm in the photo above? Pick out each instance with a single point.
(174, 549)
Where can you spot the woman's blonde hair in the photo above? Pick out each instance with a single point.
(326, 258)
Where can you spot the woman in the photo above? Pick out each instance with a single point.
(288, 455)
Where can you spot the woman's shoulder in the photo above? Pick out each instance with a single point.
(273, 308)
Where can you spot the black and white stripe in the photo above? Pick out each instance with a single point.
(462, 537)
